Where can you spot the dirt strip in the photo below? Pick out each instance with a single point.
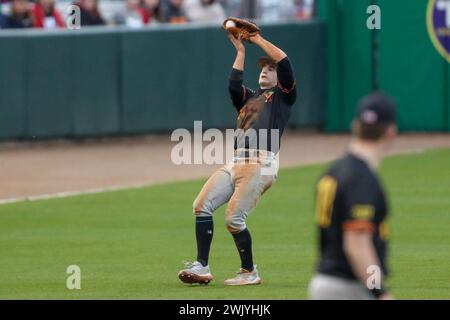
(43, 168)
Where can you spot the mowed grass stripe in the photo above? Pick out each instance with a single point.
(129, 243)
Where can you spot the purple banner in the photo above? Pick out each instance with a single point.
(439, 25)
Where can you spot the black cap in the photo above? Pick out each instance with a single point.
(377, 108)
(266, 61)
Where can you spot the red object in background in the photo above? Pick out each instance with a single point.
(146, 17)
(39, 15)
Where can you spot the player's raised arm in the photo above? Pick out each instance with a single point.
(275, 53)
(286, 79)
(240, 52)
(238, 92)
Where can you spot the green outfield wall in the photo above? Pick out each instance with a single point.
(119, 81)
(408, 65)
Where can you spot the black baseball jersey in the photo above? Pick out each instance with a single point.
(263, 109)
(349, 197)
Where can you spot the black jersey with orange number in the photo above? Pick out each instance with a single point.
(349, 197)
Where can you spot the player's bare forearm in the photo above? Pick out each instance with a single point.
(240, 52)
(269, 48)
(239, 61)
(361, 253)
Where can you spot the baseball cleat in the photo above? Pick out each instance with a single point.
(244, 277)
(194, 272)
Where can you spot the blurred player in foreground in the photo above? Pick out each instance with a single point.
(352, 211)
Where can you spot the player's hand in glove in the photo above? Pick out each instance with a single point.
(241, 29)
(237, 43)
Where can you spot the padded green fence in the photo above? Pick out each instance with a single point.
(173, 77)
(409, 67)
(12, 87)
(119, 81)
(349, 59)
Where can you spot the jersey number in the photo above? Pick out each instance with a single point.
(326, 192)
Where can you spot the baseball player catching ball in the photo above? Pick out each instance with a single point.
(241, 182)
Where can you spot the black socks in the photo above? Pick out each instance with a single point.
(243, 242)
(204, 228)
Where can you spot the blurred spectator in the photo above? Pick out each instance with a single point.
(175, 12)
(134, 15)
(250, 9)
(90, 15)
(304, 9)
(231, 7)
(205, 11)
(153, 11)
(2, 18)
(20, 16)
(46, 16)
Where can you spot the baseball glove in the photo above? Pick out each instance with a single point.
(240, 27)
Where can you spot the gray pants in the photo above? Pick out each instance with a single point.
(324, 287)
(240, 183)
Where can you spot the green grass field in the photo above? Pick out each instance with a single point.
(129, 244)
